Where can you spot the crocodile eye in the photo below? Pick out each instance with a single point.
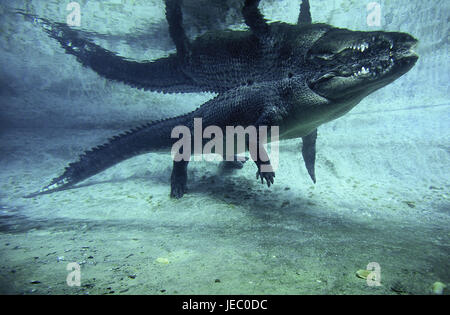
(290, 75)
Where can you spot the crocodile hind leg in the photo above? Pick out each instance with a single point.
(254, 19)
(178, 179)
(174, 17)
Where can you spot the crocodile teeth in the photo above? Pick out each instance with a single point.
(365, 46)
(360, 72)
(362, 47)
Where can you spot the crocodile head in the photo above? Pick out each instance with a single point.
(348, 65)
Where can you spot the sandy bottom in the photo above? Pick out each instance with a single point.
(377, 199)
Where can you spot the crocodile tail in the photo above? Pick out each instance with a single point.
(163, 75)
(152, 137)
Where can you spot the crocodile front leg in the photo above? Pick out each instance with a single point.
(273, 116)
(309, 153)
(265, 172)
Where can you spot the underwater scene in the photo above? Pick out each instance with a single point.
(224, 147)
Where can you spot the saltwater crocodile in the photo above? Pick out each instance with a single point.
(294, 76)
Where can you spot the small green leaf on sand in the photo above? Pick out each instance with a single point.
(161, 260)
(438, 288)
(363, 274)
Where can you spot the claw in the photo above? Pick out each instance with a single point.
(177, 192)
(268, 176)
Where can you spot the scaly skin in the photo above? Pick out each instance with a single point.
(296, 77)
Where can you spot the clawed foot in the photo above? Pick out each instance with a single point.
(177, 190)
(268, 176)
(178, 180)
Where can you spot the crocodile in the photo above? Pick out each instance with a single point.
(293, 76)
